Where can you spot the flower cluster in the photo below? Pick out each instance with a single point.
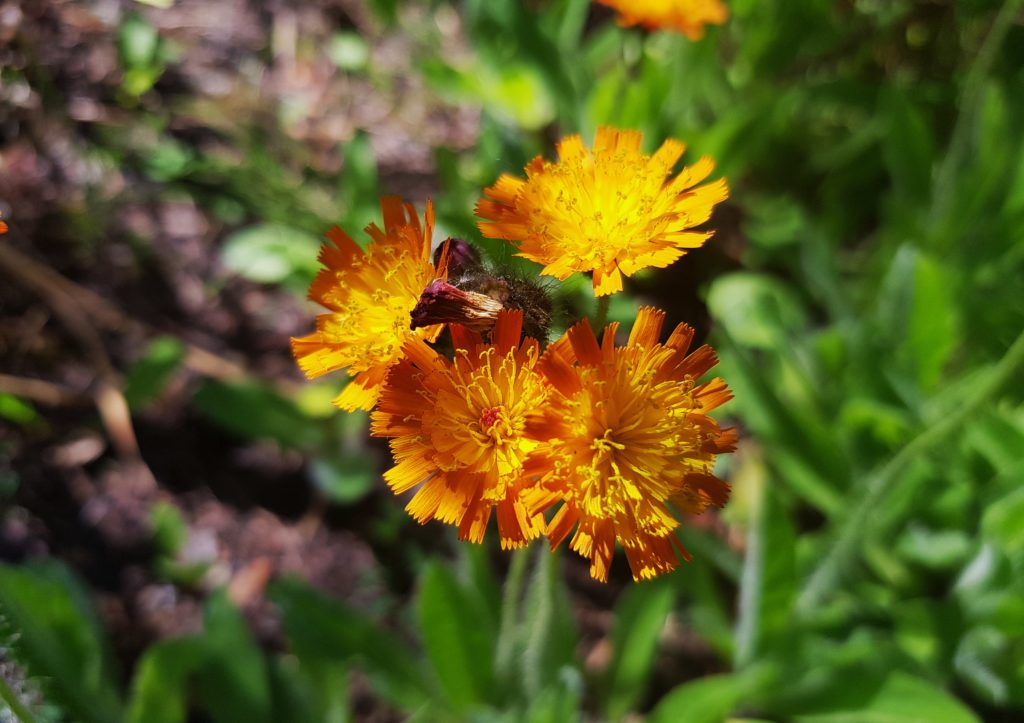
(609, 441)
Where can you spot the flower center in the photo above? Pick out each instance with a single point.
(489, 416)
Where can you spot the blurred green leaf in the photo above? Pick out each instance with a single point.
(138, 42)
(1002, 521)
(253, 410)
(768, 585)
(59, 639)
(17, 410)
(272, 254)
(639, 619)
(325, 632)
(908, 147)
(233, 684)
(758, 311)
(359, 185)
(902, 698)
(459, 638)
(935, 549)
(160, 689)
(705, 700)
(349, 51)
(549, 629)
(918, 314)
(170, 531)
(347, 478)
(149, 376)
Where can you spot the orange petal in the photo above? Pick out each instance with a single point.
(606, 281)
(408, 473)
(584, 343)
(363, 390)
(507, 330)
(647, 328)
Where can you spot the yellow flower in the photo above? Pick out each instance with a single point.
(684, 16)
(464, 431)
(370, 295)
(612, 210)
(632, 435)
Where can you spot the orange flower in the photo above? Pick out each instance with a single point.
(611, 210)
(633, 435)
(370, 295)
(3, 226)
(684, 16)
(464, 431)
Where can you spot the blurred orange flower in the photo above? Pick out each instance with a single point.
(370, 295)
(465, 430)
(632, 435)
(610, 210)
(684, 16)
(3, 226)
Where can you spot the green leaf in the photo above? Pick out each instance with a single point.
(324, 632)
(933, 324)
(17, 410)
(254, 410)
(234, 683)
(272, 253)
(705, 700)
(160, 687)
(138, 42)
(758, 311)
(359, 184)
(908, 146)
(549, 626)
(346, 478)
(902, 698)
(639, 618)
(349, 51)
(768, 585)
(224, 666)
(918, 314)
(170, 530)
(935, 549)
(149, 375)
(1002, 524)
(59, 639)
(559, 701)
(459, 637)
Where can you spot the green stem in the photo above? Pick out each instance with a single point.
(601, 316)
(826, 576)
(505, 648)
(11, 699)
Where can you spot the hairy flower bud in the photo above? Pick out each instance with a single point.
(462, 257)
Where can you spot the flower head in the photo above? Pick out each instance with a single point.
(611, 210)
(370, 295)
(464, 431)
(684, 16)
(3, 226)
(633, 436)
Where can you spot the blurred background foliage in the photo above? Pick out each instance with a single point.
(226, 551)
